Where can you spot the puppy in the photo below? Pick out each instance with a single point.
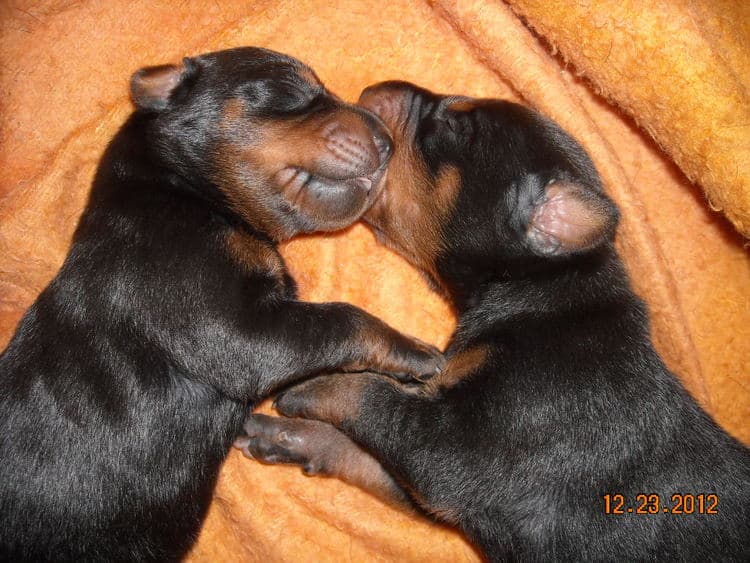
(128, 379)
(555, 431)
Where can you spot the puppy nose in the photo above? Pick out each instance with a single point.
(395, 90)
(388, 100)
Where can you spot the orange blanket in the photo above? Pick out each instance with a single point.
(657, 97)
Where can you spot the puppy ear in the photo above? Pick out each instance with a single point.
(152, 88)
(570, 218)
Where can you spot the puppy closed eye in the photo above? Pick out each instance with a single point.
(452, 124)
(444, 130)
(455, 113)
(274, 97)
(317, 103)
(457, 125)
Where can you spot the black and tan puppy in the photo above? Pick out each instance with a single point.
(129, 377)
(555, 432)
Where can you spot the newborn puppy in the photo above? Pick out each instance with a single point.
(128, 379)
(555, 431)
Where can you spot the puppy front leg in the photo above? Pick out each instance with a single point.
(248, 352)
(411, 430)
(401, 425)
(375, 411)
(298, 340)
(320, 449)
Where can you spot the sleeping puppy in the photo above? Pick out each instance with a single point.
(129, 377)
(555, 431)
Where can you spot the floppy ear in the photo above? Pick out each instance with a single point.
(153, 87)
(570, 218)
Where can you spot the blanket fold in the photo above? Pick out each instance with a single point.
(657, 95)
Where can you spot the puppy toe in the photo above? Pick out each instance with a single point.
(424, 362)
(330, 398)
(436, 364)
(240, 442)
(260, 425)
(270, 439)
(292, 403)
(270, 451)
(304, 399)
(313, 467)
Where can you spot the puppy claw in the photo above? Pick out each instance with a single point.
(290, 404)
(423, 362)
(269, 440)
(241, 442)
(312, 468)
(306, 443)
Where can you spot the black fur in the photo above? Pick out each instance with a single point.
(128, 378)
(571, 401)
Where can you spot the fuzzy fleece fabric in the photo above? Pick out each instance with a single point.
(658, 93)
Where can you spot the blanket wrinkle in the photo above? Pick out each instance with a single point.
(679, 68)
(659, 100)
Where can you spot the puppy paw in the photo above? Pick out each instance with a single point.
(415, 360)
(330, 398)
(273, 440)
(300, 400)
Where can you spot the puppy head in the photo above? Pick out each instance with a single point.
(259, 133)
(483, 188)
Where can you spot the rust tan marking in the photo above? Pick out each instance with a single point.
(257, 152)
(255, 256)
(275, 144)
(463, 105)
(320, 449)
(333, 398)
(413, 207)
(457, 369)
(463, 364)
(338, 456)
(441, 513)
(235, 108)
(410, 213)
(448, 184)
(242, 185)
(246, 191)
(256, 166)
(445, 514)
(373, 337)
(343, 399)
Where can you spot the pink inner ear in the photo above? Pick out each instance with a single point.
(153, 85)
(566, 220)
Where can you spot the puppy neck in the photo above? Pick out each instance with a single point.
(595, 282)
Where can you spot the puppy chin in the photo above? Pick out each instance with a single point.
(334, 216)
(357, 198)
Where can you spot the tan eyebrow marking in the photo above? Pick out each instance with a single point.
(459, 367)
(463, 105)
